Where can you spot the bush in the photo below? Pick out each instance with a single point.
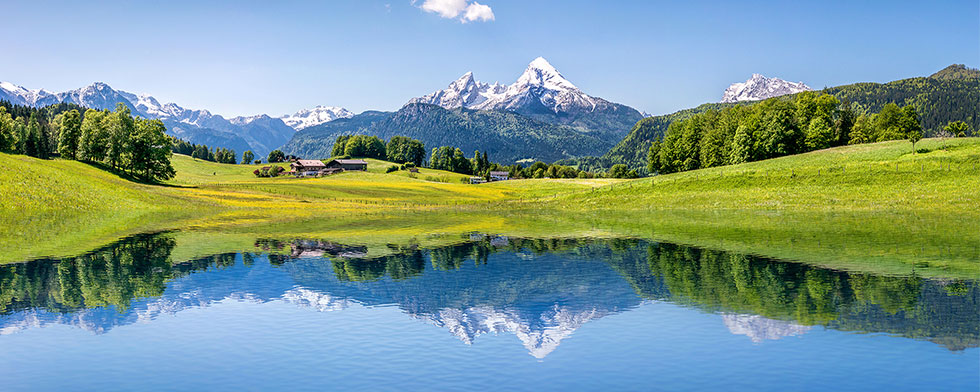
(391, 169)
(622, 171)
(273, 171)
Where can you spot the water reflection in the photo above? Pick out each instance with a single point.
(540, 290)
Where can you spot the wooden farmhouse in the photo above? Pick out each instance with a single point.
(307, 168)
(348, 164)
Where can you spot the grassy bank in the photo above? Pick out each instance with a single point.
(868, 207)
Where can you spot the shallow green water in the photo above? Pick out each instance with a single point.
(485, 312)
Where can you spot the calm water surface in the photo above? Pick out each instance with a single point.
(485, 313)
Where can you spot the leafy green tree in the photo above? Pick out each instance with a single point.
(621, 171)
(401, 149)
(36, 143)
(819, 134)
(888, 124)
(71, 131)
(119, 126)
(20, 136)
(653, 157)
(742, 143)
(7, 136)
(914, 136)
(276, 156)
(247, 157)
(843, 124)
(339, 145)
(94, 139)
(201, 152)
(957, 128)
(862, 131)
(779, 134)
(364, 146)
(150, 149)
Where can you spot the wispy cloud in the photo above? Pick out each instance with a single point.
(462, 10)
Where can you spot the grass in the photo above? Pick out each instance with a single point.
(872, 177)
(868, 207)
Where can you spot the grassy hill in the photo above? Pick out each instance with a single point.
(952, 94)
(871, 207)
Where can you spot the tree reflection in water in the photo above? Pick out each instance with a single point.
(538, 289)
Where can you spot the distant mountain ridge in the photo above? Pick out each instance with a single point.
(957, 72)
(507, 136)
(260, 133)
(316, 116)
(759, 87)
(542, 93)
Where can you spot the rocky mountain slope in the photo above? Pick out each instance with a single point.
(542, 93)
(507, 136)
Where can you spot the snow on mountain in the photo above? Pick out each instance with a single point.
(540, 337)
(541, 93)
(540, 83)
(18, 95)
(760, 328)
(316, 116)
(759, 87)
(259, 133)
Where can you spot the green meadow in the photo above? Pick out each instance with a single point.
(875, 207)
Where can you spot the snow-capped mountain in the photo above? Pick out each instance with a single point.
(18, 95)
(539, 336)
(540, 83)
(542, 93)
(316, 116)
(759, 87)
(260, 133)
(760, 328)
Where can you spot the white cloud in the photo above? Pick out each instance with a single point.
(465, 10)
(477, 12)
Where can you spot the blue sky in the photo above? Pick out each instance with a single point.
(241, 58)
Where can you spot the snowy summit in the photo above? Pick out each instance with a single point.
(316, 116)
(540, 83)
(759, 87)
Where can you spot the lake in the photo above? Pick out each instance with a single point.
(478, 312)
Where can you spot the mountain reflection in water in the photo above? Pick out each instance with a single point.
(540, 290)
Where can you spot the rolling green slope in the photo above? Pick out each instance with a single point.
(865, 207)
(952, 94)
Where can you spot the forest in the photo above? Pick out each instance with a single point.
(950, 95)
(773, 128)
(123, 143)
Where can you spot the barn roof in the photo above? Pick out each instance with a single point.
(351, 161)
(309, 163)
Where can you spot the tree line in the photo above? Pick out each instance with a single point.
(775, 127)
(398, 149)
(133, 145)
(204, 153)
(452, 159)
(404, 150)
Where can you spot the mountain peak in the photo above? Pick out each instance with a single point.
(316, 116)
(463, 82)
(542, 93)
(541, 73)
(956, 72)
(541, 63)
(759, 87)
